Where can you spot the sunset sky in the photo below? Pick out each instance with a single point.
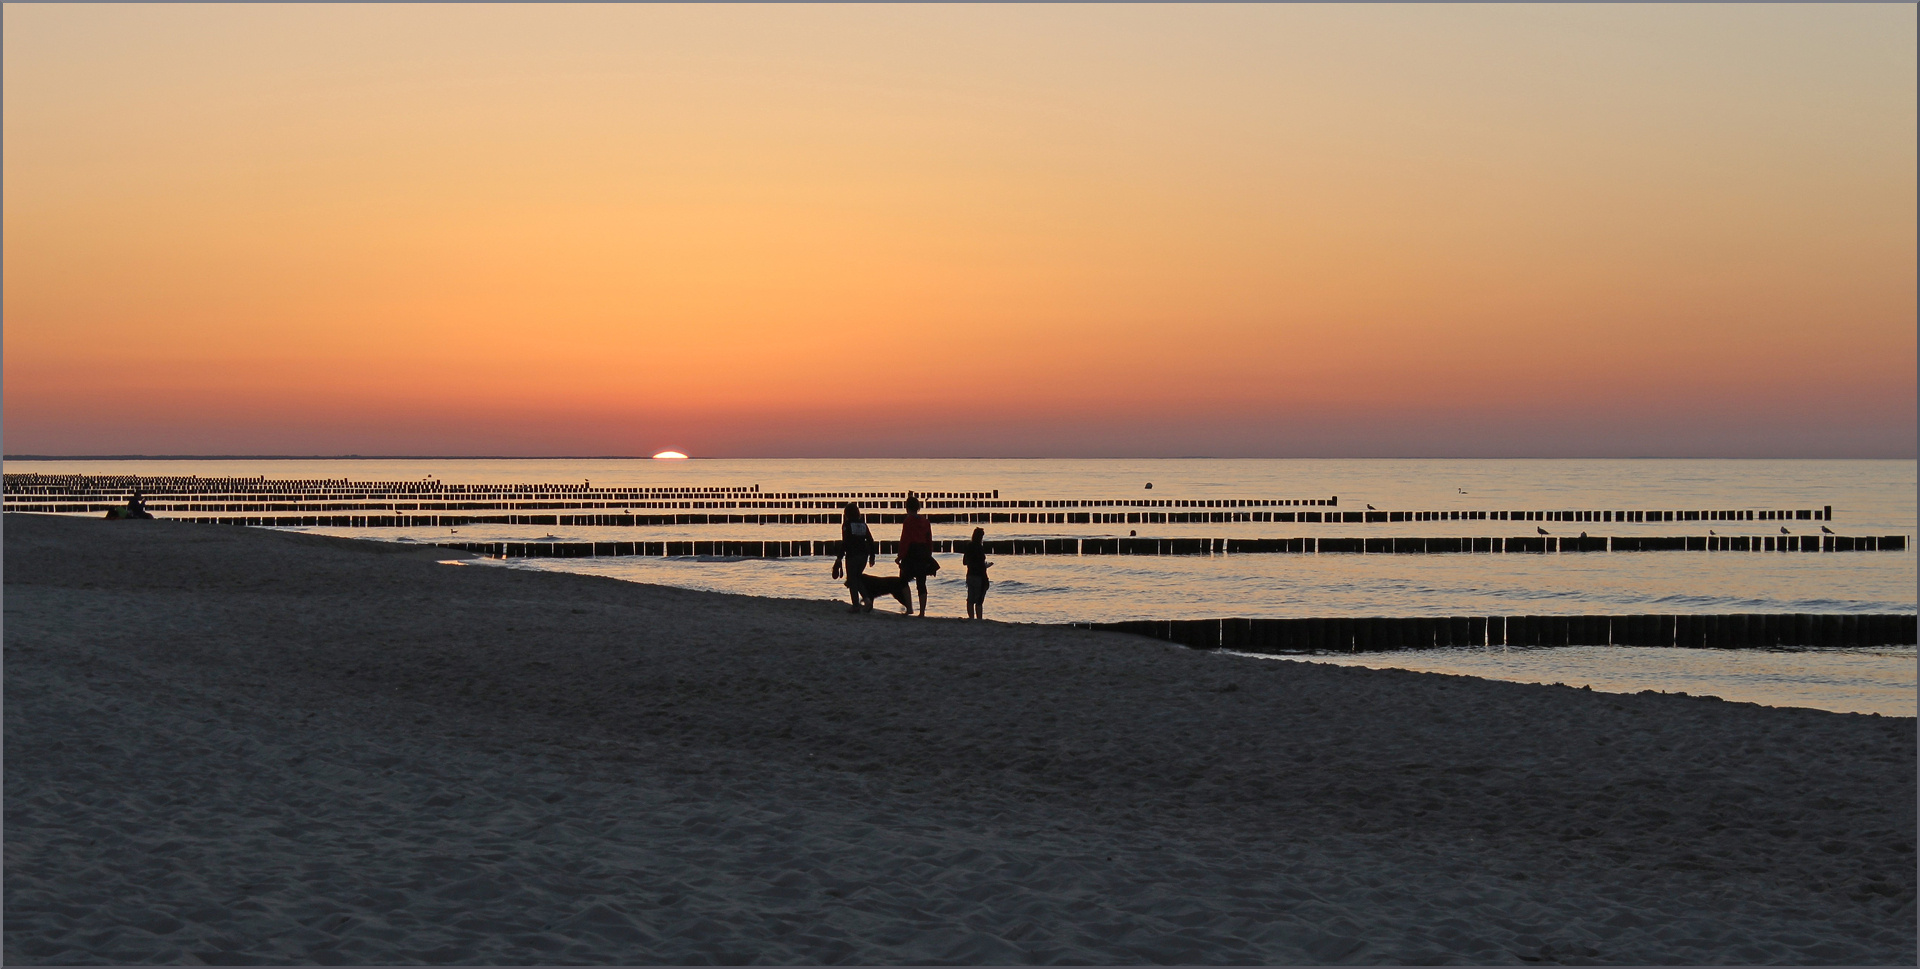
(1053, 231)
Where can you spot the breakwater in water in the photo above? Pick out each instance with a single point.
(296, 503)
(1386, 634)
(1212, 546)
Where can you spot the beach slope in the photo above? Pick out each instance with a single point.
(240, 746)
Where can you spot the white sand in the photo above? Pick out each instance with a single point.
(232, 745)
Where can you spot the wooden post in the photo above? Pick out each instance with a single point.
(1690, 631)
(1236, 633)
(1276, 635)
(1516, 631)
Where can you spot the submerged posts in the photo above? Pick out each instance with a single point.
(1516, 545)
(1389, 633)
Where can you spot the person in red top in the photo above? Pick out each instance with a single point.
(916, 549)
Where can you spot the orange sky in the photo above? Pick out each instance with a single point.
(1277, 231)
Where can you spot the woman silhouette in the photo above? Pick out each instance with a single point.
(916, 549)
(857, 548)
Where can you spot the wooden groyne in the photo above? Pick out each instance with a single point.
(1384, 634)
(390, 513)
(271, 517)
(1536, 545)
(220, 499)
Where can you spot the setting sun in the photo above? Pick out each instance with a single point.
(1213, 484)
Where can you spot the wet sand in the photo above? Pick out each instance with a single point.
(229, 745)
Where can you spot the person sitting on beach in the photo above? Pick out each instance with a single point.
(916, 550)
(136, 508)
(856, 549)
(974, 557)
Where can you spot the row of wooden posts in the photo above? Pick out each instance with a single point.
(670, 512)
(31, 492)
(261, 488)
(1383, 634)
(1207, 546)
(1553, 543)
(117, 487)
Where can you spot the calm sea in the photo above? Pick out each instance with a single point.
(1867, 498)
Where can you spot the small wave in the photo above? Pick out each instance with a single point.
(1027, 588)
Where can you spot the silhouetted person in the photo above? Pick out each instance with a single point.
(975, 559)
(856, 548)
(136, 508)
(916, 549)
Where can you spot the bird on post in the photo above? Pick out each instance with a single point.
(1826, 529)
(1783, 530)
(1541, 530)
(1371, 508)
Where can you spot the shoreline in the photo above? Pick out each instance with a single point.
(234, 743)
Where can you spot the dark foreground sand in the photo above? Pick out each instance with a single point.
(232, 745)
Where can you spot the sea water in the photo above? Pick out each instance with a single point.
(1867, 498)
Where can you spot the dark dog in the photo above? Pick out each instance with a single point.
(874, 586)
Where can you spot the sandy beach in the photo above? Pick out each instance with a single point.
(226, 745)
